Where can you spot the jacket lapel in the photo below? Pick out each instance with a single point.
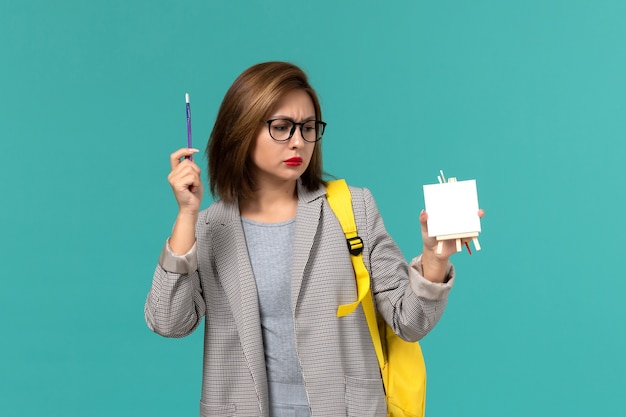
(307, 223)
(237, 279)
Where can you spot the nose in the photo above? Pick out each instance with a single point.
(296, 140)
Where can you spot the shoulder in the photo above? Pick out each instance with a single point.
(363, 205)
(360, 192)
(362, 196)
(219, 212)
(355, 192)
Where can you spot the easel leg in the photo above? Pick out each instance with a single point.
(439, 247)
(476, 244)
(458, 245)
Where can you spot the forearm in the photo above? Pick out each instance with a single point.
(184, 233)
(423, 302)
(175, 304)
(434, 269)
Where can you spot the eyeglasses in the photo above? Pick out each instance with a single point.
(281, 130)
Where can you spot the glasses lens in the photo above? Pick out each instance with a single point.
(280, 129)
(309, 131)
(312, 130)
(319, 130)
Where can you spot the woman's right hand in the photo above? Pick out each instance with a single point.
(185, 181)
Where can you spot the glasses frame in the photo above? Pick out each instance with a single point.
(293, 129)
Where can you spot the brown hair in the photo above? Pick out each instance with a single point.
(245, 106)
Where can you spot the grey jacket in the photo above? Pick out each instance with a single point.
(215, 281)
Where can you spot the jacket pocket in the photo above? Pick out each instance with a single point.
(365, 397)
(213, 410)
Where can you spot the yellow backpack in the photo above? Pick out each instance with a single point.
(401, 363)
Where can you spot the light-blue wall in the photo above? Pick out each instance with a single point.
(528, 97)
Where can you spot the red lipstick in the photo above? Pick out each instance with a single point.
(296, 161)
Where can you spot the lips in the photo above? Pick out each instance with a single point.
(293, 162)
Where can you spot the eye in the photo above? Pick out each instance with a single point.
(309, 126)
(281, 125)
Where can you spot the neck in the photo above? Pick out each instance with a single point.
(271, 205)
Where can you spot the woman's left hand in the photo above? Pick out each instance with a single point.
(435, 264)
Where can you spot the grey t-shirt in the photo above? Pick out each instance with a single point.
(270, 247)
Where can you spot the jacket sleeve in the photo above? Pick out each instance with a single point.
(408, 302)
(175, 305)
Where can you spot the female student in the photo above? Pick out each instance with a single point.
(267, 264)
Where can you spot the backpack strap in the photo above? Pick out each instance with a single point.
(340, 200)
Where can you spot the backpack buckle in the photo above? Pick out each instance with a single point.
(355, 245)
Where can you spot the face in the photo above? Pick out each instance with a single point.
(280, 162)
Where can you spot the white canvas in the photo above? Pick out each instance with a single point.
(452, 208)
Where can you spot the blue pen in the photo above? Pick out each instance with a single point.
(188, 124)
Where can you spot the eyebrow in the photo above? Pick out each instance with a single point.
(306, 119)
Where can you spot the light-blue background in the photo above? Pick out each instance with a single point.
(528, 97)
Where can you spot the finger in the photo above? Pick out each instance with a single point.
(193, 178)
(179, 154)
(184, 169)
(181, 179)
(481, 213)
(186, 166)
(185, 180)
(423, 217)
(424, 222)
(196, 189)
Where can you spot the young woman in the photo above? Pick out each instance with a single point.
(267, 264)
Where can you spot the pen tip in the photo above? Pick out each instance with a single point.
(187, 97)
